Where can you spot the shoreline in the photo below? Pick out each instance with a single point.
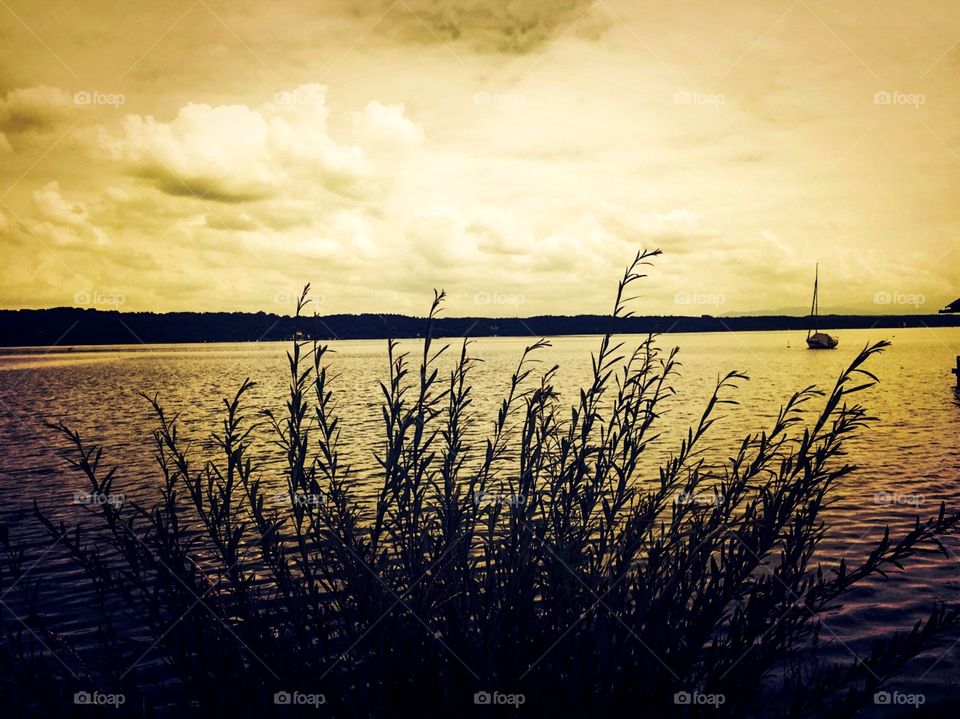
(63, 327)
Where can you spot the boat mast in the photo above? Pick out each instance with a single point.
(813, 305)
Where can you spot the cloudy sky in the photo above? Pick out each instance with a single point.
(215, 155)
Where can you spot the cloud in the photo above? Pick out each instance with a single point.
(34, 109)
(441, 237)
(677, 230)
(240, 221)
(490, 26)
(497, 235)
(386, 128)
(235, 153)
(773, 240)
(52, 206)
(62, 222)
(217, 151)
(118, 195)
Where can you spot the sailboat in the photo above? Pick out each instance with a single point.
(817, 340)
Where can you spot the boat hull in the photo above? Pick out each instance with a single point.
(821, 341)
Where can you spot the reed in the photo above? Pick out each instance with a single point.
(540, 563)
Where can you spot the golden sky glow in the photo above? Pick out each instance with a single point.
(216, 155)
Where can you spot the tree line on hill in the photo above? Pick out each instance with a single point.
(71, 326)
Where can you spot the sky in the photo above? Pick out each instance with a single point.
(213, 155)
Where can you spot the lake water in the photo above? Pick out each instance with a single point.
(911, 454)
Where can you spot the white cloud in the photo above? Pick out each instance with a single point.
(63, 222)
(386, 128)
(235, 153)
(50, 202)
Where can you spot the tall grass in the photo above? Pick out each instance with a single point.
(540, 564)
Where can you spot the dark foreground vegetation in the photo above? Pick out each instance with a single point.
(535, 568)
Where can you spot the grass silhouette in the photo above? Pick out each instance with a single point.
(531, 568)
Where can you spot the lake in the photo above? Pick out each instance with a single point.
(909, 460)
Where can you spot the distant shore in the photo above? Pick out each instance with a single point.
(71, 326)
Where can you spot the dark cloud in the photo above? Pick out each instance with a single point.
(203, 188)
(511, 27)
(33, 109)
